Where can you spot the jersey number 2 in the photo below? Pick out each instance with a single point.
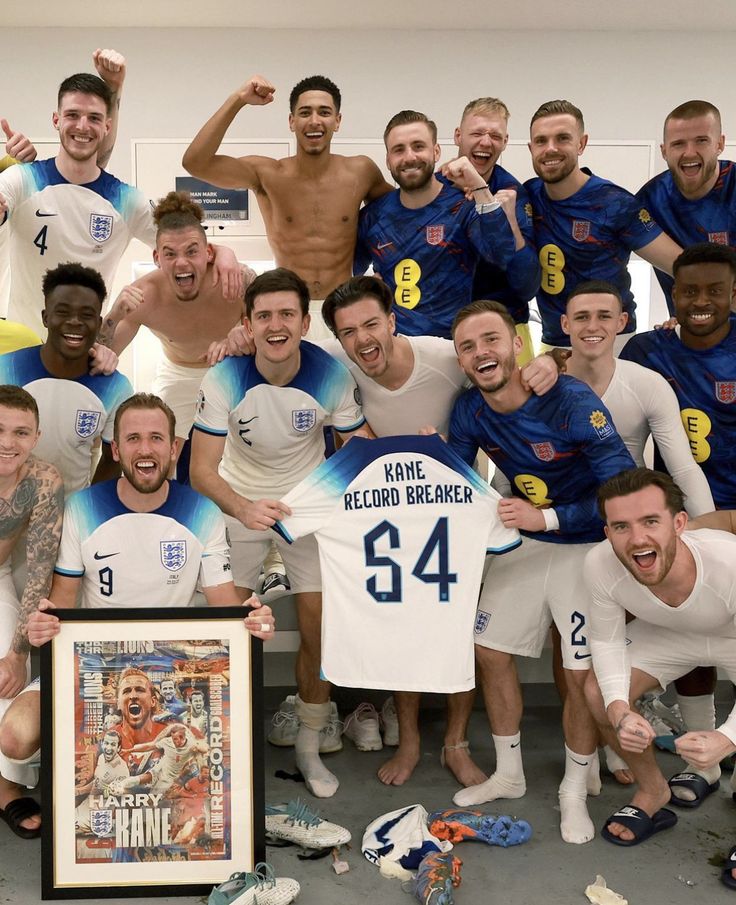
(436, 543)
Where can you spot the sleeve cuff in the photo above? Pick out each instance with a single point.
(551, 522)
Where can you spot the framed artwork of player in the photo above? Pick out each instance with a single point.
(152, 764)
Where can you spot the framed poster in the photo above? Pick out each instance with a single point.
(152, 752)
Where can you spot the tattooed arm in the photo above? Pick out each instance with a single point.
(44, 533)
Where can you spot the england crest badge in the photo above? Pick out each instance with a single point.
(720, 238)
(435, 234)
(303, 420)
(100, 227)
(86, 423)
(726, 391)
(174, 554)
(544, 451)
(481, 622)
(100, 822)
(580, 230)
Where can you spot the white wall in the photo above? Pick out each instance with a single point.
(624, 82)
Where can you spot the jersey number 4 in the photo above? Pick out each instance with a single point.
(40, 240)
(437, 543)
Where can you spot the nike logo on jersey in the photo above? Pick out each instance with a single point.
(106, 555)
(384, 245)
(579, 656)
(41, 214)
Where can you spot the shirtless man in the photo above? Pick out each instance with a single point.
(309, 202)
(179, 304)
(32, 498)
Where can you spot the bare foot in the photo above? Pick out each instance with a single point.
(624, 777)
(9, 791)
(462, 766)
(397, 770)
(650, 803)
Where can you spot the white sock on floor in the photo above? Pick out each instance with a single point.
(575, 823)
(698, 712)
(508, 780)
(317, 777)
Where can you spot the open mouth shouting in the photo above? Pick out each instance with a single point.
(645, 560)
(370, 354)
(184, 280)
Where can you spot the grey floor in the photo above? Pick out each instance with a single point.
(544, 871)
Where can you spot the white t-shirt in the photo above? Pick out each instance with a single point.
(72, 413)
(275, 433)
(642, 402)
(403, 526)
(709, 610)
(53, 221)
(426, 398)
(142, 559)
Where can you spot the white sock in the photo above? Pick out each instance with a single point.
(508, 780)
(614, 761)
(575, 823)
(593, 782)
(698, 712)
(317, 777)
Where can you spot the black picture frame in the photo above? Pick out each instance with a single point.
(225, 833)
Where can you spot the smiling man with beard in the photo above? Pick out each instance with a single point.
(555, 450)
(585, 227)
(680, 587)
(75, 406)
(426, 238)
(695, 199)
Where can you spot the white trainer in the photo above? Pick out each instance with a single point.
(259, 887)
(285, 727)
(285, 724)
(362, 727)
(330, 738)
(297, 823)
(389, 723)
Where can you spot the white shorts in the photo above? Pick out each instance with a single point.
(22, 773)
(667, 655)
(318, 329)
(527, 589)
(248, 549)
(179, 387)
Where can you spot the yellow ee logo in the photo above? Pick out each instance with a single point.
(533, 488)
(552, 261)
(406, 274)
(697, 427)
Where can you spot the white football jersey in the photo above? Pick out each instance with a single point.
(403, 527)
(142, 559)
(72, 413)
(275, 433)
(53, 221)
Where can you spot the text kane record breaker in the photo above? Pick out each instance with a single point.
(403, 527)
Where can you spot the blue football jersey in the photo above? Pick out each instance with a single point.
(516, 283)
(704, 381)
(427, 256)
(588, 236)
(556, 450)
(708, 219)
